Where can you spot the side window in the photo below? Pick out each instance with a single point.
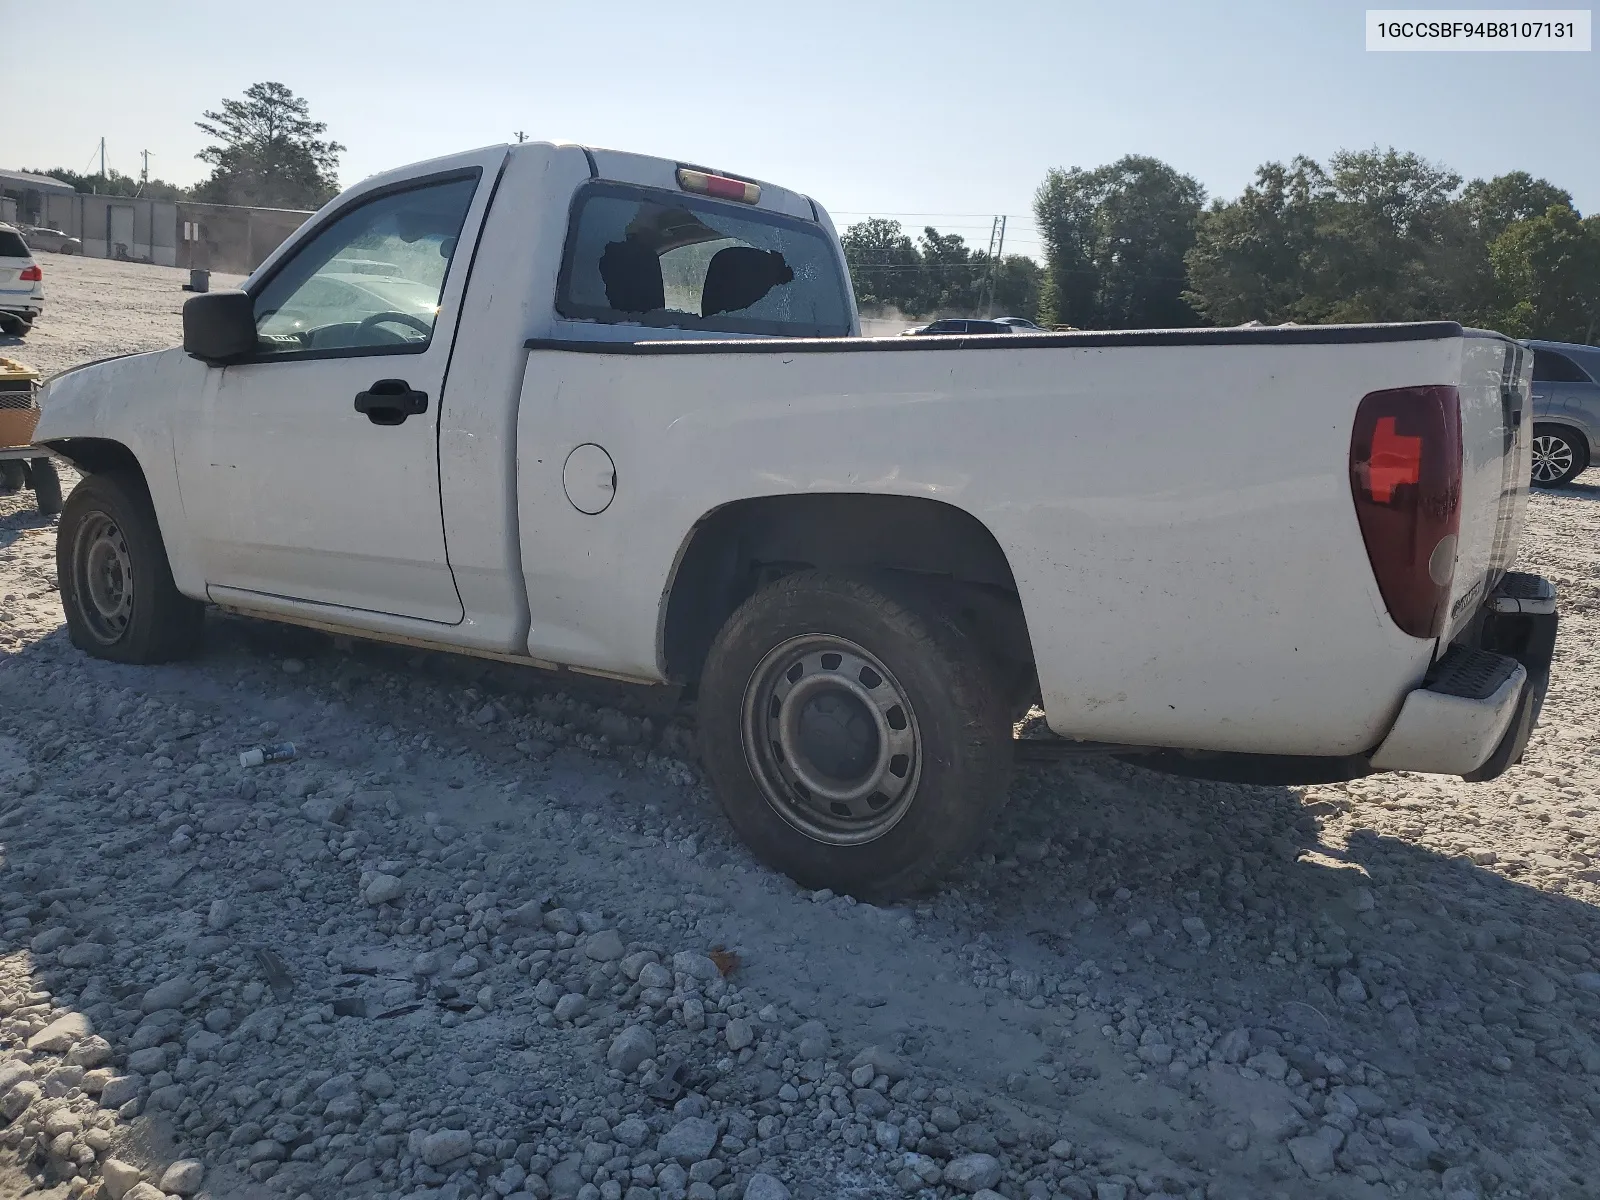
(648, 257)
(1550, 367)
(370, 279)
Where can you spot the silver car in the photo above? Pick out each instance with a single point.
(53, 240)
(1566, 410)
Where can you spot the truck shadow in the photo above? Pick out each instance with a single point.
(1473, 992)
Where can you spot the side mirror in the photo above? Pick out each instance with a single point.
(219, 327)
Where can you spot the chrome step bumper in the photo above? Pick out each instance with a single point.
(1477, 707)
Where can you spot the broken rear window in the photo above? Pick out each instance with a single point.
(647, 257)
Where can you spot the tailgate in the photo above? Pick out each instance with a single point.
(1496, 445)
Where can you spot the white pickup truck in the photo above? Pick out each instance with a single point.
(612, 414)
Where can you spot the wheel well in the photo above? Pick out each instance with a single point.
(97, 456)
(746, 545)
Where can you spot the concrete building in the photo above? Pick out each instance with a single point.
(231, 238)
(22, 196)
(173, 233)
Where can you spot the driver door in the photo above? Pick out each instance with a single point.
(313, 472)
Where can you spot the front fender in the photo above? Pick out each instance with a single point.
(135, 402)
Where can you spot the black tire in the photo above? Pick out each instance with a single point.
(12, 476)
(116, 585)
(862, 648)
(1560, 455)
(46, 486)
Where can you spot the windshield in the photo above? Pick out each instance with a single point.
(647, 257)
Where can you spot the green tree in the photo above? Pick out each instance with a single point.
(1547, 269)
(1115, 239)
(1392, 244)
(884, 265)
(268, 151)
(1017, 284)
(1251, 257)
(1491, 207)
(1494, 204)
(117, 184)
(937, 273)
(948, 281)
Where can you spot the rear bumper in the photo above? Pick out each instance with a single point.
(22, 306)
(1476, 710)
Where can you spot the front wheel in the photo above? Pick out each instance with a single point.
(853, 733)
(116, 587)
(1559, 455)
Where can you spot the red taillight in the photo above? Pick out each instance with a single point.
(1405, 476)
(32, 274)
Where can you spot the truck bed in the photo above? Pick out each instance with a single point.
(1175, 504)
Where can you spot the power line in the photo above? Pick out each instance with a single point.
(846, 212)
(943, 226)
(922, 268)
(941, 221)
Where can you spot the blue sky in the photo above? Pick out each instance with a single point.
(952, 110)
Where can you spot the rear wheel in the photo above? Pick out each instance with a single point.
(1559, 455)
(854, 734)
(116, 587)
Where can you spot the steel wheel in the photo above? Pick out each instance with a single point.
(1553, 458)
(104, 570)
(832, 739)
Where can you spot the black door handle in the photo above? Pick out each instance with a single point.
(391, 401)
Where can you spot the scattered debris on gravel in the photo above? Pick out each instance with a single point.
(484, 938)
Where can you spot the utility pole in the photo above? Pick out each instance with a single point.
(983, 291)
(521, 137)
(103, 174)
(997, 247)
(144, 172)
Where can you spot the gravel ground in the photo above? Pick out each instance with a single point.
(95, 308)
(483, 938)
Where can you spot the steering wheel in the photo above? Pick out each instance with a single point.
(399, 318)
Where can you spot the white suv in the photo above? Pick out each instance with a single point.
(21, 284)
